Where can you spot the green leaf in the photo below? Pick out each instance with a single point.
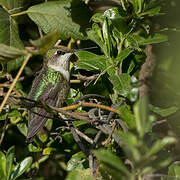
(151, 12)
(174, 171)
(21, 167)
(77, 162)
(95, 34)
(111, 161)
(107, 36)
(9, 160)
(123, 55)
(141, 116)
(121, 83)
(157, 38)
(45, 43)
(48, 150)
(130, 144)
(70, 18)
(10, 53)
(33, 148)
(14, 6)
(127, 116)
(90, 61)
(3, 174)
(22, 128)
(163, 111)
(159, 145)
(9, 35)
(77, 175)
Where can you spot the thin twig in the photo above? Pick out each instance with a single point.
(5, 124)
(15, 80)
(86, 104)
(89, 140)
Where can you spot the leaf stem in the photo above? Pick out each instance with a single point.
(14, 82)
(20, 13)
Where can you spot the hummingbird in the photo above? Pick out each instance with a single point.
(50, 86)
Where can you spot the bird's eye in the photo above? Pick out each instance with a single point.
(60, 52)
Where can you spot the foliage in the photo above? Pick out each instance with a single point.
(119, 140)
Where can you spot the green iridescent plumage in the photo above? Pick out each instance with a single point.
(51, 86)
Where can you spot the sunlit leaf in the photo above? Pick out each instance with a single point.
(9, 160)
(21, 167)
(3, 174)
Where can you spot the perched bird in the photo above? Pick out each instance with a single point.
(51, 86)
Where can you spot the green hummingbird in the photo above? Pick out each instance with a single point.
(50, 86)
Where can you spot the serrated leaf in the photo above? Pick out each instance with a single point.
(45, 43)
(90, 61)
(69, 18)
(20, 168)
(111, 161)
(3, 174)
(9, 160)
(121, 83)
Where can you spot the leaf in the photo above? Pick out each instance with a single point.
(141, 116)
(9, 160)
(48, 150)
(95, 34)
(70, 18)
(45, 43)
(159, 145)
(22, 128)
(90, 61)
(77, 162)
(9, 36)
(121, 84)
(14, 6)
(107, 36)
(130, 144)
(123, 55)
(127, 116)
(33, 148)
(21, 167)
(163, 111)
(173, 171)
(151, 12)
(3, 174)
(9, 53)
(77, 175)
(111, 161)
(157, 38)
